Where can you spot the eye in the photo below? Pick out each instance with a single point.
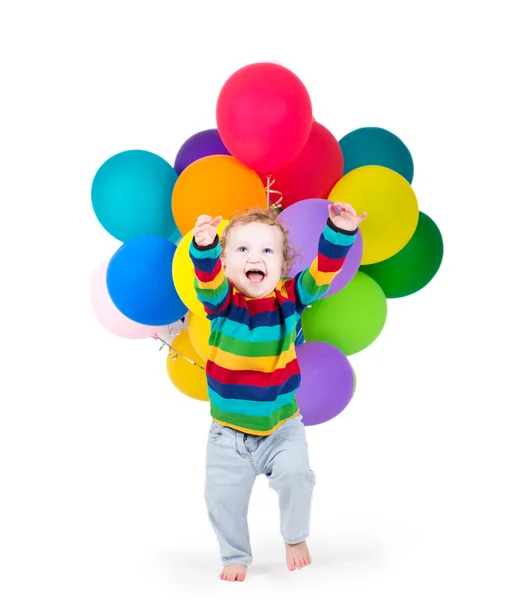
(268, 250)
(242, 249)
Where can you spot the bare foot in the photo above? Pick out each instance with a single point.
(233, 572)
(298, 556)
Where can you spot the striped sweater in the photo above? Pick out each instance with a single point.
(252, 370)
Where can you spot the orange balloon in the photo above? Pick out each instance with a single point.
(215, 185)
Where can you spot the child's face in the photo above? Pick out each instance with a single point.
(253, 258)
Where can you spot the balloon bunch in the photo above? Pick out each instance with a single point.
(265, 134)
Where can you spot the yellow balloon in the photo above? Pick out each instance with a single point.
(199, 329)
(391, 204)
(183, 273)
(188, 378)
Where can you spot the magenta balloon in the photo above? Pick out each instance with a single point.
(327, 382)
(305, 220)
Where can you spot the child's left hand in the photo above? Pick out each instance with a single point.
(344, 216)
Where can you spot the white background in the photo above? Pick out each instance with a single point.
(101, 459)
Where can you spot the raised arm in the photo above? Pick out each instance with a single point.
(334, 244)
(210, 283)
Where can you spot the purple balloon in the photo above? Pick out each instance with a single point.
(305, 221)
(327, 382)
(203, 143)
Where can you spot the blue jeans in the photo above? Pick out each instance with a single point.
(233, 461)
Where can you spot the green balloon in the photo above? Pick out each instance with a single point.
(351, 319)
(414, 266)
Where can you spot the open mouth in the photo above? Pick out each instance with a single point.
(255, 275)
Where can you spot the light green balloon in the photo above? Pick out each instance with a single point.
(351, 319)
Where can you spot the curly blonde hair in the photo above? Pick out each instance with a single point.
(268, 217)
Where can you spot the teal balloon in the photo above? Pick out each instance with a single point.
(175, 236)
(414, 266)
(131, 196)
(376, 146)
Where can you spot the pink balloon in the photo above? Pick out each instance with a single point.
(107, 313)
(264, 116)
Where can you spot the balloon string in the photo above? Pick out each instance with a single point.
(278, 204)
(173, 353)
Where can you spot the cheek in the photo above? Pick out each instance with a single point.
(275, 263)
(235, 264)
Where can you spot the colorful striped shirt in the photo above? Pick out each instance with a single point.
(252, 370)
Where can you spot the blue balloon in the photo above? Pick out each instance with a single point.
(376, 146)
(140, 284)
(131, 195)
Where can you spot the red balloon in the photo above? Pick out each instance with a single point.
(264, 116)
(315, 170)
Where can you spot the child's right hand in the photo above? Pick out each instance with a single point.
(205, 230)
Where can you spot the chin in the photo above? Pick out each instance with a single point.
(252, 291)
(259, 292)
(256, 294)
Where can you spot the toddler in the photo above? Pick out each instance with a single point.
(253, 374)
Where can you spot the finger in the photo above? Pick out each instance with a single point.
(202, 240)
(346, 208)
(203, 219)
(216, 221)
(333, 210)
(341, 207)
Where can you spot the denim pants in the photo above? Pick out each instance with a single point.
(233, 461)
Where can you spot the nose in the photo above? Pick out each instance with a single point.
(254, 257)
